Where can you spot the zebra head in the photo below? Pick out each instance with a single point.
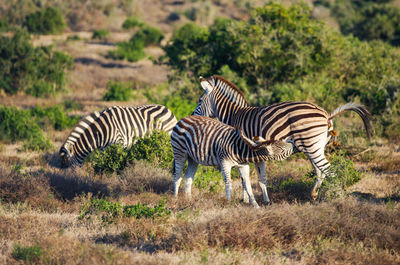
(205, 106)
(67, 156)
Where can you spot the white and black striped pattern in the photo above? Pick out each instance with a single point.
(113, 125)
(305, 123)
(206, 141)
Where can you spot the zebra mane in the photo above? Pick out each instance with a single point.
(233, 92)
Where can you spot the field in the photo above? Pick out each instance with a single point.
(50, 215)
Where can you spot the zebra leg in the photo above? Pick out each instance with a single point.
(321, 168)
(244, 172)
(226, 173)
(245, 196)
(262, 181)
(179, 164)
(189, 174)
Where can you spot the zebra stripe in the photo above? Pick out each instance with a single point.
(307, 125)
(206, 141)
(113, 125)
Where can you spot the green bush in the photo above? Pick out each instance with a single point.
(27, 254)
(118, 91)
(100, 34)
(38, 71)
(54, 117)
(345, 175)
(16, 125)
(208, 179)
(369, 20)
(110, 211)
(148, 36)
(112, 159)
(133, 50)
(154, 148)
(46, 21)
(132, 22)
(281, 54)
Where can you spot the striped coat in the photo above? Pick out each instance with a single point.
(308, 125)
(113, 125)
(206, 141)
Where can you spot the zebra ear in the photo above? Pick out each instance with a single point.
(206, 85)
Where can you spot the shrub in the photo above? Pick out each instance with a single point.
(334, 187)
(27, 254)
(148, 36)
(281, 54)
(112, 159)
(345, 175)
(54, 117)
(208, 179)
(18, 125)
(154, 148)
(118, 91)
(132, 22)
(133, 50)
(100, 34)
(46, 21)
(38, 71)
(369, 20)
(110, 211)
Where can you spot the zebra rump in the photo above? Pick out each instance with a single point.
(113, 125)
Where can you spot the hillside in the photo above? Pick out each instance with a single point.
(51, 215)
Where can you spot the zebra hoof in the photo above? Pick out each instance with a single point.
(268, 203)
(314, 195)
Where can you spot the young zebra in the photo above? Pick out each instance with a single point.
(206, 141)
(308, 125)
(113, 125)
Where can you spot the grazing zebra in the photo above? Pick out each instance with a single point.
(308, 125)
(206, 141)
(113, 125)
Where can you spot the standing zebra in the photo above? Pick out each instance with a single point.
(113, 125)
(206, 141)
(308, 125)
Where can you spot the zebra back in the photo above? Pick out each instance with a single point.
(299, 120)
(207, 141)
(114, 125)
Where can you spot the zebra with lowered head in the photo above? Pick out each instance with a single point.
(113, 125)
(308, 126)
(206, 141)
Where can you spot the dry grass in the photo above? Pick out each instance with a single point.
(40, 203)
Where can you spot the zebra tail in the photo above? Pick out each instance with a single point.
(360, 110)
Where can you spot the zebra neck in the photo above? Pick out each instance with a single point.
(227, 112)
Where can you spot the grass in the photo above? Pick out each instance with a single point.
(46, 204)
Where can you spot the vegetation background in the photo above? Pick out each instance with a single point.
(60, 60)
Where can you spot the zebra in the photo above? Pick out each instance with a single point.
(206, 141)
(114, 124)
(308, 125)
